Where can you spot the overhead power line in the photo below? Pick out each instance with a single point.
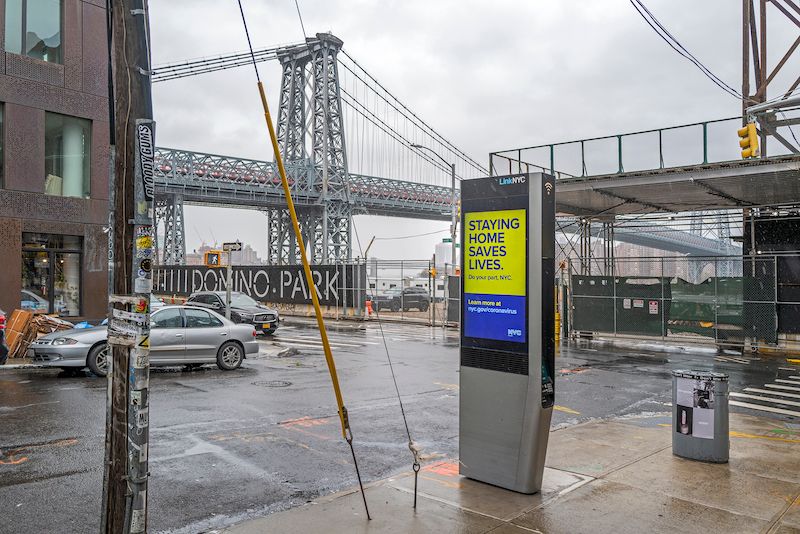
(676, 45)
(411, 236)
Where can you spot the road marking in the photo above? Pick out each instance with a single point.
(312, 340)
(446, 468)
(793, 382)
(310, 343)
(793, 377)
(776, 386)
(731, 359)
(13, 460)
(781, 393)
(767, 399)
(792, 360)
(735, 434)
(764, 408)
(566, 410)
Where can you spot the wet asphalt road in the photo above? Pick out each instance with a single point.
(228, 446)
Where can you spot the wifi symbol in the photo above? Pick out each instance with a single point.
(548, 187)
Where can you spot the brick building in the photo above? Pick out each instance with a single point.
(54, 156)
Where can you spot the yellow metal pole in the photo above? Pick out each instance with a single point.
(306, 267)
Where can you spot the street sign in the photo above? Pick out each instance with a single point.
(234, 246)
(213, 258)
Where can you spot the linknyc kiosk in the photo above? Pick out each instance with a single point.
(507, 346)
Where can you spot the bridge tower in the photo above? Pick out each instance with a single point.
(310, 130)
(168, 211)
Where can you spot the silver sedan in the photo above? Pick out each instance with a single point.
(179, 335)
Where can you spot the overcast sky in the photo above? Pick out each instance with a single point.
(487, 75)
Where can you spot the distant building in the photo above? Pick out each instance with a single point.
(246, 256)
(444, 254)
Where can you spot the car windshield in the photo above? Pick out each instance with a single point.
(240, 299)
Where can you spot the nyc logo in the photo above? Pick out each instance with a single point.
(510, 180)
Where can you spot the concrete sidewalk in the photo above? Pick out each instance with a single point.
(615, 476)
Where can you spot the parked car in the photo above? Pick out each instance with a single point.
(244, 309)
(405, 299)
(32, 302)
(156, 303)
(179, 335)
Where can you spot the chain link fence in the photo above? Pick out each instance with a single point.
(405, 290)
(729, 301)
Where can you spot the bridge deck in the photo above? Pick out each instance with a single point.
(763, 182)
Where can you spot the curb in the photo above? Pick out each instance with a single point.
(17, 366)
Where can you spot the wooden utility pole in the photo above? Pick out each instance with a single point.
(131, 245)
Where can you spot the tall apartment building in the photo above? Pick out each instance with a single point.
(54, 156)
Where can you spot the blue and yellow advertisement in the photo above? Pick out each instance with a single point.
(495, 275)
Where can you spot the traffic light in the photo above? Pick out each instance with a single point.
(213, 258)
(432, 272)
(748, 140)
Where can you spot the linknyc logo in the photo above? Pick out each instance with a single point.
(510, 180)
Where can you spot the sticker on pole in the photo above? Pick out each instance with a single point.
(122, 333)
(138, 318)
(142, 418)
(145, 151)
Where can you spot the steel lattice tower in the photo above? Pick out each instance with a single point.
(168, 211)
(310, 115)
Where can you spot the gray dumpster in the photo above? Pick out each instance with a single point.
(700, 416)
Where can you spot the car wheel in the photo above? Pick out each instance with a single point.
(98, 359)
(423, 307)
(229, 356)
(395, 307)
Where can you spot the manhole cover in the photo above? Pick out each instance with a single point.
(273, 383)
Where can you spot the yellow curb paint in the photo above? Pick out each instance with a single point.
(794, 361)
(735, 434)
(566, 410)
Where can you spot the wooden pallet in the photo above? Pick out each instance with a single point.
(18, 330)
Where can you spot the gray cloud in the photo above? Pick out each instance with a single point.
(487, 75)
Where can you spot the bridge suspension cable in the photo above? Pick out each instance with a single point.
(382, 92)
(380, 128)
(194, 67)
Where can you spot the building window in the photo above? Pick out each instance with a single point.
(33, 29)
(67, 142)
(51, 274)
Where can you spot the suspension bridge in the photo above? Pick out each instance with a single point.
(351, 147)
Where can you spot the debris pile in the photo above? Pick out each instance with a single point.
(24, 327)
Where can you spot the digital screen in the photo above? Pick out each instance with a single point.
(494, 275)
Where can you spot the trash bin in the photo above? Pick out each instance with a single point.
(700, 416)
